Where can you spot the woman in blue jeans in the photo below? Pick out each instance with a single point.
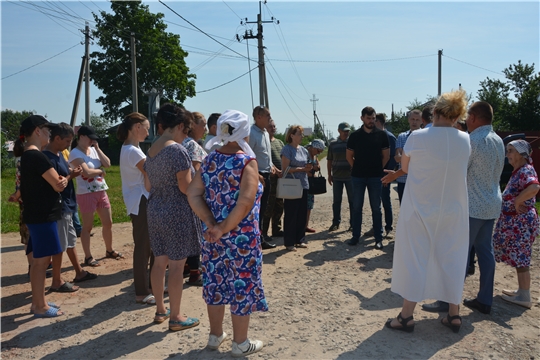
(296, 157)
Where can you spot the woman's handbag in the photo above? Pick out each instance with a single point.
(289, 188)
(317, 184)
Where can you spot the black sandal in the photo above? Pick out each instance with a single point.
(403, 322)
(114, 255)
(90, 261)
(455, 328)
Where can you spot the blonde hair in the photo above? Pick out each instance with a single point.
(292, 130)
(452, 105)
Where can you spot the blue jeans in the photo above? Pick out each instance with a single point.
(387, 205)
(337, 189)
(77, 223)
(374, 188)
(480, 236)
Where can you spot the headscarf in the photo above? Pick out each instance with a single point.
(523, 148)
(240, 122)
(317, 144)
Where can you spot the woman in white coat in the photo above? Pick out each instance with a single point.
(432, 235)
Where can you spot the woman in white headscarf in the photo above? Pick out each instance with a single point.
(225, 193)
(518, 225)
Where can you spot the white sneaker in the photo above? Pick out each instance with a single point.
(510, 292)
(214, 342)
(516, 300)
(246, 348)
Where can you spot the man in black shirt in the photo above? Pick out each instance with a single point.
(368, 150)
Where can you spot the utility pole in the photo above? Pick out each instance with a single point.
(314, 100)
(263, 89)
(153, 106)
(87, 75)
(85, 70)
(134, 74)
(440, 71)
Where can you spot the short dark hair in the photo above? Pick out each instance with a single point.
(63, 130)
(426, 114)
(171, 115)
(482, 110)
(368, 110)
(260, 109)
(380, 117)
(212, 120)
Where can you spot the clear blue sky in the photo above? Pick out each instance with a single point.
(336, 50)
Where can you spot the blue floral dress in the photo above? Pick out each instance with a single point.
(232, 267)
(515, 233)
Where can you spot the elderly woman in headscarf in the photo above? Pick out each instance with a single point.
(225, 193)
(518, 224)
(314, 148)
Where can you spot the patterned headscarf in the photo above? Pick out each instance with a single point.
(240, 122)
(523, 148)
(317, 144)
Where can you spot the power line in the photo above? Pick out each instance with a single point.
(283, 97)
(228, 82)
(180, 16)
(232, 10)
(479, 67)
(41, 62)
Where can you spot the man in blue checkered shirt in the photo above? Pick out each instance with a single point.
(415, 120)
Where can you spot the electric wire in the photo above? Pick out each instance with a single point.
(41, 62)
(228, 82)
(180, 16)
(283, 97)
(461, 61)
(250, 81)
(232, 10)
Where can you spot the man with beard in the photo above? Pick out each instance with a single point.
(368, 151)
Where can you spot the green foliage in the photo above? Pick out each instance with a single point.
(515, 101)
(159, 58)
(401, 121)
(11, 122)
(7, 161)
(10, 211)
(100, 125)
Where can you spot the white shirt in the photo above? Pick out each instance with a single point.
(88, 185)
(132, 178)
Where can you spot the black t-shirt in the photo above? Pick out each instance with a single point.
(62, 168)
(41, 202)
(367, 149)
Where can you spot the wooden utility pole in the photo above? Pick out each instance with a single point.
(440, 71)
(134, 74)
(263, 89)
(87, 75)
(314, 100)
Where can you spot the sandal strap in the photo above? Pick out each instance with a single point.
(452, 318)
(405, 321)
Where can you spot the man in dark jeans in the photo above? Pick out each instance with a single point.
(415, 120)
(259, 141)
(380, 120)
(368, 150)
(339, 175)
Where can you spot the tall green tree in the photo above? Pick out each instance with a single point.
(515, 101)
(159, 58)
(11, 122)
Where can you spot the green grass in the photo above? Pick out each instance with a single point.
(10, 211)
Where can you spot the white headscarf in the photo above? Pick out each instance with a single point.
(240, 122)
(523, 148)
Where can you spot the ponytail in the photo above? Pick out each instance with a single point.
(122, 133)
(18, 147)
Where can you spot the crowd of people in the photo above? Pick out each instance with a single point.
(201, 206)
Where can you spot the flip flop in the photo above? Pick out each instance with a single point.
(52, 312)
(88, 276)
(175, 325)
(51, 304)
(149, 299)
(90, 261)
(66, 287)
(159, 318)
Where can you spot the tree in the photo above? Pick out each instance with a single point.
(515, 101)
(100, 125)
(159, 58)
(11, 122)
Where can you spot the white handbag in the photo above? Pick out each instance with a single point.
(289, 188)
